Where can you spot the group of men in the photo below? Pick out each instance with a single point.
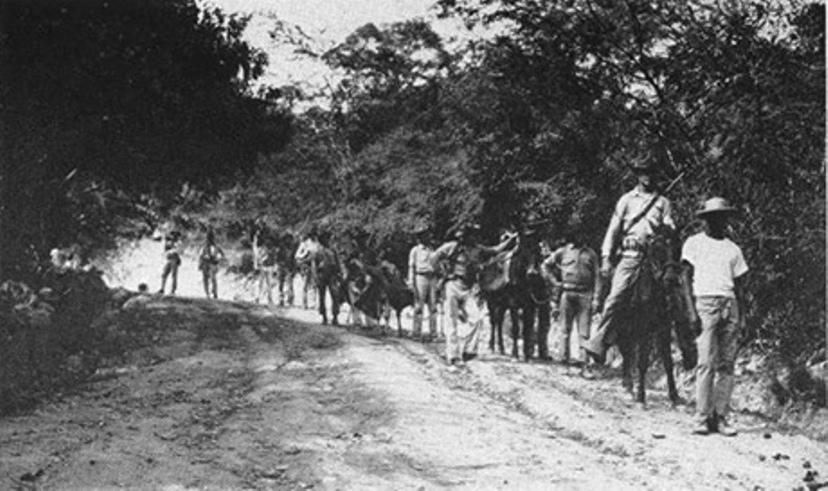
(713, 268)
(713, 272)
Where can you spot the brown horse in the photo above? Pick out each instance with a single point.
(519, 293)
(655, 310)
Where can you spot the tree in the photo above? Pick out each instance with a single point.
(104, 101)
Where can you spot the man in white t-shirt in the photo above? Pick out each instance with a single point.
(714, 268)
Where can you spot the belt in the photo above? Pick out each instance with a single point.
(576, 288)
(633, 244)
(424, 273)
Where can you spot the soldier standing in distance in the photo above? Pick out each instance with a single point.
(637, 215)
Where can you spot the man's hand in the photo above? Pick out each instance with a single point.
(596, 306)
(606, 266)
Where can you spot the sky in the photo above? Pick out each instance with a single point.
(328, 22)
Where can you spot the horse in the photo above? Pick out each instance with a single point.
(519, 293)
(654, 310)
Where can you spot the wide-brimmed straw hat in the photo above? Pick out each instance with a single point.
(715, 205)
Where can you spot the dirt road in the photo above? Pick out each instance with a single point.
(234, 396)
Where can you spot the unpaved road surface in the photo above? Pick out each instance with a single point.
(236, 396)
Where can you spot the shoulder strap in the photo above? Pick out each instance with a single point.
(641, 214)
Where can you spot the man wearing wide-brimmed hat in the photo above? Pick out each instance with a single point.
(462, 258)
(422, 279)
(638, 214)
(714, 267)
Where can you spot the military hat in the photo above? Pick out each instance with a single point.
(420, 229)
(643, 163)
(715, 205)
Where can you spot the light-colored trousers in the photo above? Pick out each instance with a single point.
(576, 308)
(425, 293)
(717, 345)
(465, 316)
(625, 275)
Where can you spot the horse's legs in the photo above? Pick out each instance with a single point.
(528, 321)
(643, 358)
(663, 341)
(514, 315)
(627, 349)
(496, 328)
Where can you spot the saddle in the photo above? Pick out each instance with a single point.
(494, 273)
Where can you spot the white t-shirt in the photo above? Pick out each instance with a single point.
(716, 263)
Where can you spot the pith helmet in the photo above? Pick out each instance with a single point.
(715, 205)
(420, 229)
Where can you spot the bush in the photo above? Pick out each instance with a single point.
(50, 339)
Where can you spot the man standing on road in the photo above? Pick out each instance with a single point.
(714, 267)
(463, 259)
(171, 239)
(637, 215)
(423, 282)
(325, 271)
(576, 266)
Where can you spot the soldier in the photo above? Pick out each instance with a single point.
(576, 268)
(637, 215)
(171, 239)
(325, 270)
(208, 261)
(264, 261)
(714, 267)
(422, 280)
(463, 259)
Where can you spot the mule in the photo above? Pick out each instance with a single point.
(516, 293)
(654, 311)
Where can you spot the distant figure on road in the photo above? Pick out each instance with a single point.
(264, 262)
(208, 261)
(171, 239)
(307, 249)
(714, 268)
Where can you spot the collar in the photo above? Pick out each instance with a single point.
(639, 191)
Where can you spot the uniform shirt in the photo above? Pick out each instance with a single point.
(578, 267)
(630, 206)
(716, 264)
(419, 260)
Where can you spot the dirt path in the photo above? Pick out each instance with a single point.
(234, 397)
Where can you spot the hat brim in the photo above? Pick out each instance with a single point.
(724, 211)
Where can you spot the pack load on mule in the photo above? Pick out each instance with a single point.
(511, 280)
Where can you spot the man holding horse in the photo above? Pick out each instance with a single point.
(715, 267)
(638, 214)
(460, 260)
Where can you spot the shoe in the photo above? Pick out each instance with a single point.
(724, 428)
(704, 427)
(587, 374)
(701, 428)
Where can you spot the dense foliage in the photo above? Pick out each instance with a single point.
(538, 123)
(106, 102)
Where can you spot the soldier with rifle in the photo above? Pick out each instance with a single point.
(637, 215)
